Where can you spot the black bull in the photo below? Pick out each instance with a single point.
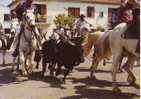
(62, 53)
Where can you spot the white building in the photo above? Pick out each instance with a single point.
(5, 18)
(97, 12)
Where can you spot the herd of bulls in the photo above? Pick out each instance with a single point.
(60, 54)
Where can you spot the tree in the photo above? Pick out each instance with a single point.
(64, 20)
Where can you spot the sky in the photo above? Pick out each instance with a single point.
(5, 2)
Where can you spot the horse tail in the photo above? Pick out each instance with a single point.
(95, 52)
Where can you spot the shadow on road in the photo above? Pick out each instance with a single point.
(90, 90)
(88, 93)
(52, 81)
(6, 76)
(96, 83)
(88, 70)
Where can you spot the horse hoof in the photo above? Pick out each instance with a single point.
(131, 80)
(120, 71)
(136, 85)
(92, 76)
(116, 90)
(63, 81)
(29, 69)
(51, 74)
(24, 74)
(12, 70)
(42, 74)
(56, 74)
(21, 78)
(104, 63)
(15, 72)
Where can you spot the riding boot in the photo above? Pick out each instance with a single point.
(15, 53)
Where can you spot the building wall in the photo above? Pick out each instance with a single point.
(54, 8)
(4, 10)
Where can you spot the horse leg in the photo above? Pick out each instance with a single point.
(43, 67)
(15, 71)
(30, 69)
(65, 75)
(37, 58)
(94, 65)
(18, 61)
(37, 64)
(3, 54)
(128, 68)
(120, 66)
(51, 67)
(13, 65)
(104, 62)
(23, 62)
(58, 70)
(114, 68)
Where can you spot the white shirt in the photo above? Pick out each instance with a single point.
(80, 24)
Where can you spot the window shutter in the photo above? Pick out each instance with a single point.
(90, 11)
(109, 12)
(77, 12)
(74, 11)
(43, 9)
(70, 11)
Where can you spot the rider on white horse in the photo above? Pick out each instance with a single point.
(81, 26)
(129, 13)
(15, 30)
(28, 9)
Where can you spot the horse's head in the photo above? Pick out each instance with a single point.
(29, 18)
(15, 26)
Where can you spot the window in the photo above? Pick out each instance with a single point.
(7, 17)
(74, 11)
(90, 11)
(101, 14)
(109, 12)
(112, 16)
(40, 9)
(40, 12)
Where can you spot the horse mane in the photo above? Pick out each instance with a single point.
(91, 40)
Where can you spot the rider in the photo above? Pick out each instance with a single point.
(130, 13)
(26, 6)
(38, 36)
(2, 36)
(15, 30)
(80, 25)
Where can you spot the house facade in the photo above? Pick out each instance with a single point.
(97, 12)
(5, 18)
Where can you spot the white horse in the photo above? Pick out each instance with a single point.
(101, 51)
(118, 47)
(27, 42)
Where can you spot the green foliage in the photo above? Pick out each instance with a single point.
(64, 20)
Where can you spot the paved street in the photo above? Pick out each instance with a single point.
(78, 85)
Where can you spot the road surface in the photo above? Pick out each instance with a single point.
(78, 84)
